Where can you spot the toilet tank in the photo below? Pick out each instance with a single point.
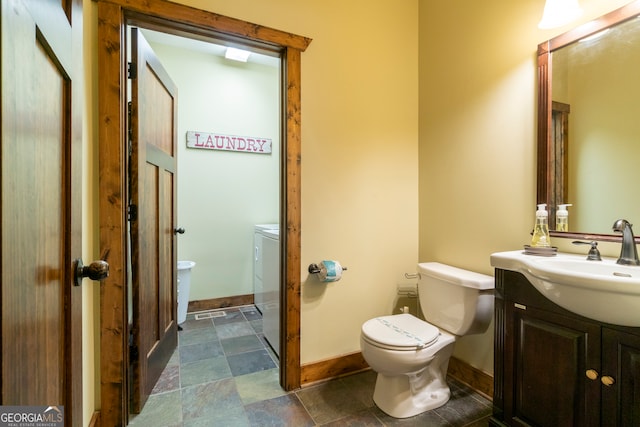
(456, 300)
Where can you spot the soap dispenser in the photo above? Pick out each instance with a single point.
(562, 217)
(541, 237)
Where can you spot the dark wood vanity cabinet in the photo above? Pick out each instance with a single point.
(554, 368)
(621, 361)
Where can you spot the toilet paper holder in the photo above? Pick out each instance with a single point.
(315, 268)
(327, 270)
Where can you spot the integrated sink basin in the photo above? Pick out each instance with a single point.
(600, 290)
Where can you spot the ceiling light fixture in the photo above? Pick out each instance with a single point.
(558, 13)
(237, 54)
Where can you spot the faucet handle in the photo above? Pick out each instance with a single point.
(594, 253)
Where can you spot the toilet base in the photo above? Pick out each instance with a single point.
(407, 395)
(395, 399)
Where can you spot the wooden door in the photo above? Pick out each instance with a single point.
(152, 210)
(620, 378)
(551, 354)
(41, 201)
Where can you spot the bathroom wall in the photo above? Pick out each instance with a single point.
(359, 156)
(478, 95)
(417, 145)
(222, 194)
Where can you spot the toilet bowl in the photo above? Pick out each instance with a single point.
(410, 355)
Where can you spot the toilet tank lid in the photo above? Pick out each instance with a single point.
(456, 275)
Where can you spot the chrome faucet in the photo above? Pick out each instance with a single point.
(628, 252)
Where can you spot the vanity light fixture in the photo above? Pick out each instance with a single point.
(558, 13)
(237, 54)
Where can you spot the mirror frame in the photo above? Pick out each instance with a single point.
(545, 174)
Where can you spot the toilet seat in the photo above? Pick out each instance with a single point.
(400, 332)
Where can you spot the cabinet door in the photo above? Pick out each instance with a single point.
(550, 354)
(620, 365)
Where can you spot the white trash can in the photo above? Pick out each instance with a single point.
(184, 284)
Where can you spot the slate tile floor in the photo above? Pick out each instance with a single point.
(224, 373)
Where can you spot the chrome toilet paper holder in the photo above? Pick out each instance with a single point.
(315, 269)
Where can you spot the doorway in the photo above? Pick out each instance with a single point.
(226, 150)
(113, 17)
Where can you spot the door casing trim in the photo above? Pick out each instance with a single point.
(113, 17)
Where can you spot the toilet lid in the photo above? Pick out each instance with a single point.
(402, 331)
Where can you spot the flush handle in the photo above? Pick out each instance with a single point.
(97, 270)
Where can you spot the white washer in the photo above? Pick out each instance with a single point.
(258, 269)
(271, 288)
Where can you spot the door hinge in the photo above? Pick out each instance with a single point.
(132, 213)
(132, 70)
(133, 352)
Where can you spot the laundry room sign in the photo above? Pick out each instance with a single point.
(219, 141)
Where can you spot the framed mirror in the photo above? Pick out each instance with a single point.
(589, 124)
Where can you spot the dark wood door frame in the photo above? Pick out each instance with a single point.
(113, 18)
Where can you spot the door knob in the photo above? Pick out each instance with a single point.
(178, 230)
(97, 270)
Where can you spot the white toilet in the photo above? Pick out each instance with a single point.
(410, 355)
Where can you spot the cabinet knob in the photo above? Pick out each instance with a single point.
(592, 374)
(607, 380)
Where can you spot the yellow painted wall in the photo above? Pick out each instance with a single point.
(418, 129)
(90, 219)
(478, 95)
(359, 156)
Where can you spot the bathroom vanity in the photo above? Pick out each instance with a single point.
(555, 368)
(567, 330)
